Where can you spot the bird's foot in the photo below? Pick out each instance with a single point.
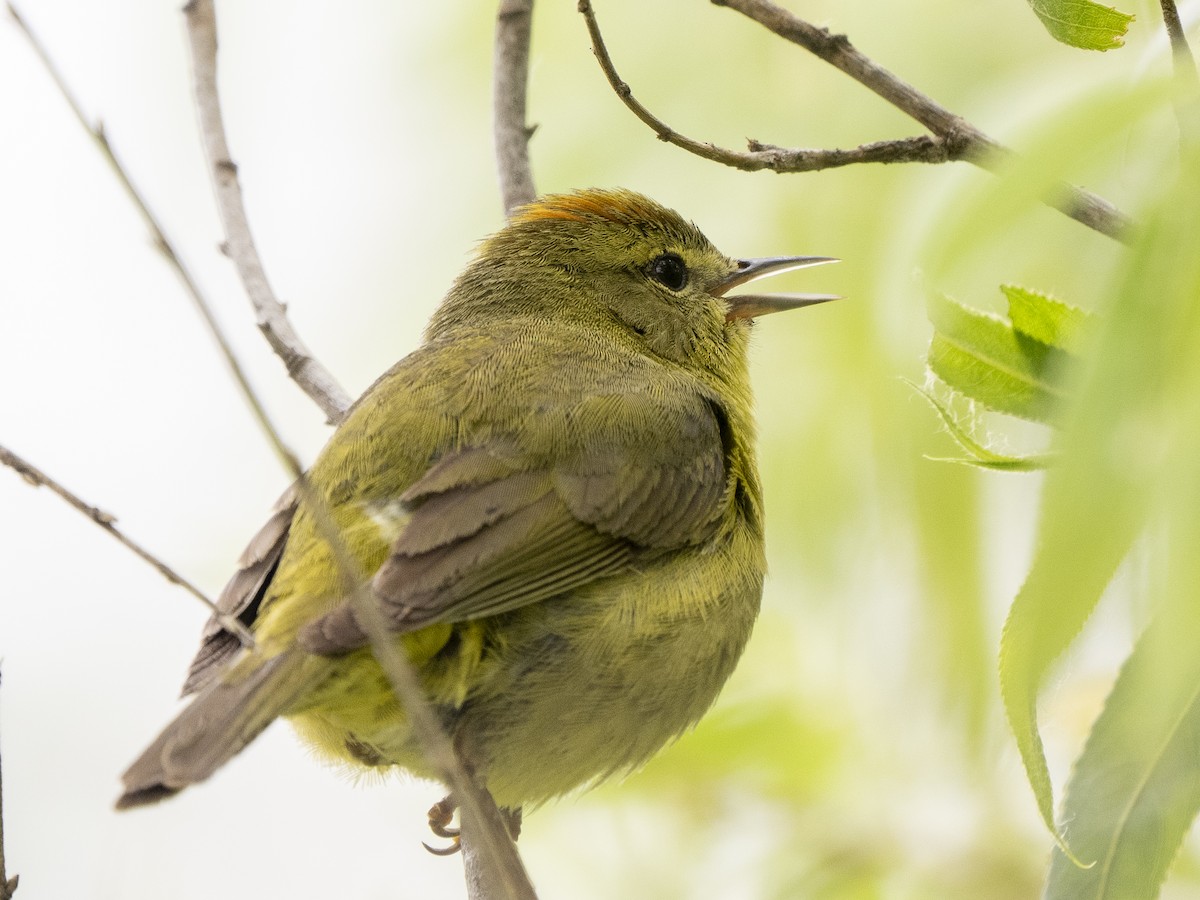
(441, 814)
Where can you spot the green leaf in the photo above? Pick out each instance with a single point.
(1136, 788)
(979, 455)
(1082, 23)
(1047, 320)
(1054, 602)
(1129, 446)
(980, 355)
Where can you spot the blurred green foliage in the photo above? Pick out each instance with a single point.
(861, 750)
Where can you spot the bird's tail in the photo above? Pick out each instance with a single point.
(225, 717)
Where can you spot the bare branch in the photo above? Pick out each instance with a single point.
(1179, 43)
(509, 87)
(96, 132)
(765, 156)
(1083, 206)
(313, 378)
(1187, 103)
(165, 246)
(924, 148)
(953, 137)
(8, 886)
(108, 522)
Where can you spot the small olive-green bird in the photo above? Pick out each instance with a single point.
(557, 502)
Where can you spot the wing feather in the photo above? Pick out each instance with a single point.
(242, 594)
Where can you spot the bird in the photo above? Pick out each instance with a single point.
(556, 506)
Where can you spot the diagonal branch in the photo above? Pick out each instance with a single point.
(1083, 206)
(953, 138)
(1187, 102)
(108, 522)
(161, 241)
(1179, 43)
(510, 78)
(313, 378)
(765, 156)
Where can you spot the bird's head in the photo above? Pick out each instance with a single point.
(622, 261)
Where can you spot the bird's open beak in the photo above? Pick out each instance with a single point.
(748, 306)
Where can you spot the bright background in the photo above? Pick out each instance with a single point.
(858, 752)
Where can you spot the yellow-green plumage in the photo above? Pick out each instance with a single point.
(557, 498)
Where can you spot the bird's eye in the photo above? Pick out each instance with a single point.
(669, 271)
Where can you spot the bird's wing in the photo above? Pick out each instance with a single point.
(242, 594)
(490, 529)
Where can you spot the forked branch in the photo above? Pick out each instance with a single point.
(953, 138)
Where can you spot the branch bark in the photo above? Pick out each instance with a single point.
(953, 137)
(1179, 43)
(1187, 103)
(510, 77)
(313, 378)
(1085, 207)
(108, 522)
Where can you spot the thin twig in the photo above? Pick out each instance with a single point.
(161, 241)
(510, 76)
(1187, 103)
(96, 132)
(924, 148)
(1179, 43)
(164, 245)
(1085, 207)
(508, 877)
(108, 522)
(313, 378)
(8, 886)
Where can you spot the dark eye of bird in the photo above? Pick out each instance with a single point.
(669, 271)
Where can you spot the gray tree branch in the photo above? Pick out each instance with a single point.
(108, 522)
(1187, 103)
(313, 378)
(1083, 206)
(510, 76)
(953, 137)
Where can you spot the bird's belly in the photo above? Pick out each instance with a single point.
(572, 690)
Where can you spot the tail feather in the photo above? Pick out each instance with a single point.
(214, 727)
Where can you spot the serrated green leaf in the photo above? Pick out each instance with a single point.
(1047, 320)
(980, 356)
(1082, 23)
(980, 456)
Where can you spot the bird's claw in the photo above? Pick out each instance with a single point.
(440, 816)
(449, 850)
